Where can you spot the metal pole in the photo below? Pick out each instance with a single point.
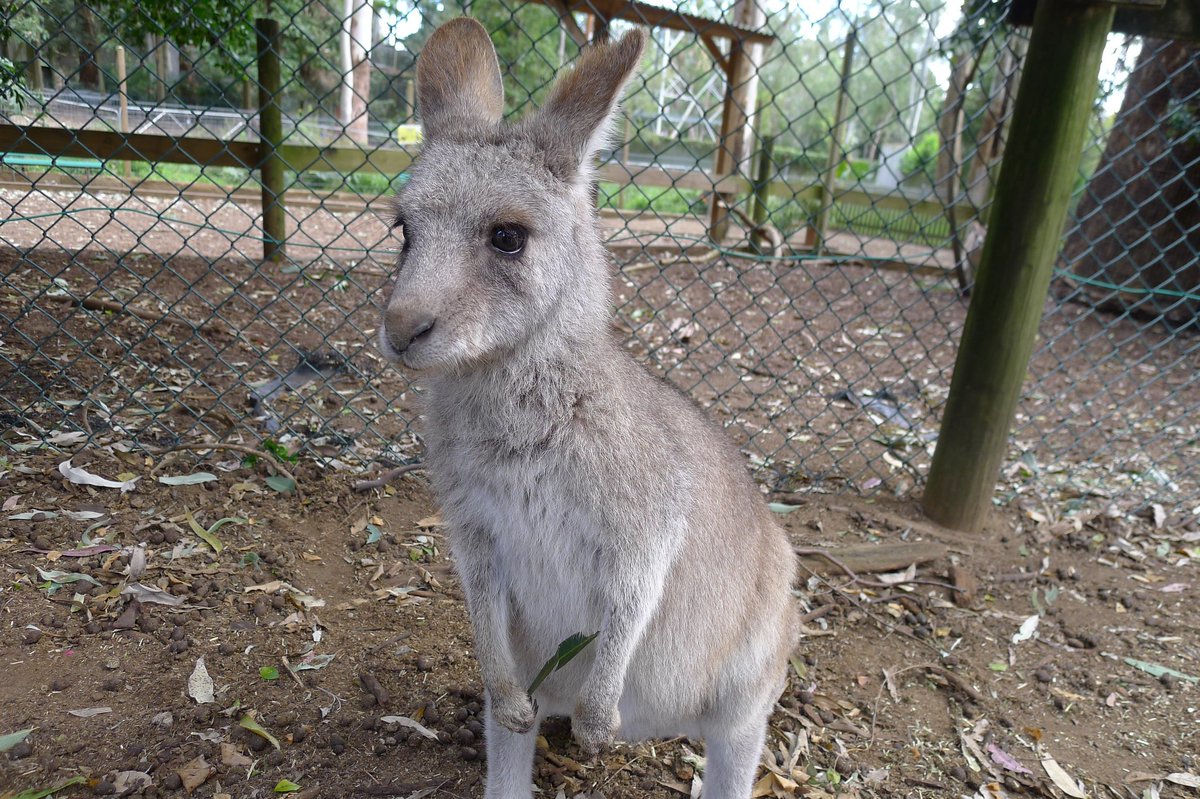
(270, 136)
(1049, 123)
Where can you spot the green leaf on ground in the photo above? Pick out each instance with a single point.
(284, 485)
(1155, 670)
(209, 535)
(248, 722)
(269, 673)
(44, 792)
(286, 786)
(13, 738)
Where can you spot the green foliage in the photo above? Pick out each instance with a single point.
(921, 159)
(856, 169)
(10, 83)
(657, 200)
(278, 450)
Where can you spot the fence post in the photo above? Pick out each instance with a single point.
(270, 137)
(835, 141)
(1049, 122)
(762, 184)
(123, 93)
(737, 114)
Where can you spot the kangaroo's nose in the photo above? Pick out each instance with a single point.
(404, 329)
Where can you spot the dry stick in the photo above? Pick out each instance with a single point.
(858, 605)
(363, 486)
(287, 666)
(274, 463)
(166, 317)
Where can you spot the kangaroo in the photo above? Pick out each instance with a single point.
(581, 492)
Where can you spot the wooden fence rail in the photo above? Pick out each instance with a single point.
(881, 214)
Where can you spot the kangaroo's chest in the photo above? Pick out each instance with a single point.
(542, 536)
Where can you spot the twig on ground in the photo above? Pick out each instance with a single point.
(165, 317)
(287, 666)
(955, 680)
(866, 611)
(363, 486)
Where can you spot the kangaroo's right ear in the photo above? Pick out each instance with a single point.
(458, 79)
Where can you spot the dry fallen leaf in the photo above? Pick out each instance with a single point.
(194, 773)
(412, 724)
(1061, 778)
(146, 593)
(88, 712)
(200, 685)
(84, 477)
(131, 781)
(232, 757)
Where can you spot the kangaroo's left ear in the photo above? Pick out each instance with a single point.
(458, 79)
(574, 122)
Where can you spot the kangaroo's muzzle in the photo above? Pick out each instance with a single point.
(403, 329)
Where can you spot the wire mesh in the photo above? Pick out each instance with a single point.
(795, 204)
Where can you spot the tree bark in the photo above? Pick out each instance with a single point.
(1136, 225)
(357, 33)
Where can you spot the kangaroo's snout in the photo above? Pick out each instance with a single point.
(403, 328)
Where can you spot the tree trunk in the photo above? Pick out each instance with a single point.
(1136, 225)
(89, 68)
(356, 68)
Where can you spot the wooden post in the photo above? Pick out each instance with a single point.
(1050, 119)
(737, 115)
(762, 184)
(625, 163)
(123, 94)
(37, 81)
(270, 137)
(829, 178)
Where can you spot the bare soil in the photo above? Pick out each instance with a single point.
(893, 673)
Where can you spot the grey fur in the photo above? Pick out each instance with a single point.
(582, 493)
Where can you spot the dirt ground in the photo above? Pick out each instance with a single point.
(906, 684)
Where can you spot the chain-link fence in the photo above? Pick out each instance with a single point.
(795, 206)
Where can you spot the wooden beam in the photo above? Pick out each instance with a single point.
(108, 145)
(645, 14)
(670, 178)
(568, 22)
(1053, 106)
(717, 53)
(111, 145)
(737, 115)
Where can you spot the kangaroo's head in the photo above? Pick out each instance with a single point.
(500, 246)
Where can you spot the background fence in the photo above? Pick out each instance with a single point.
(794, 209)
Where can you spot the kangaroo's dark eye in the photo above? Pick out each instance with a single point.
(508, 239)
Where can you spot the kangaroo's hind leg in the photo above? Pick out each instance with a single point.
(731, 760)
(509, 759)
